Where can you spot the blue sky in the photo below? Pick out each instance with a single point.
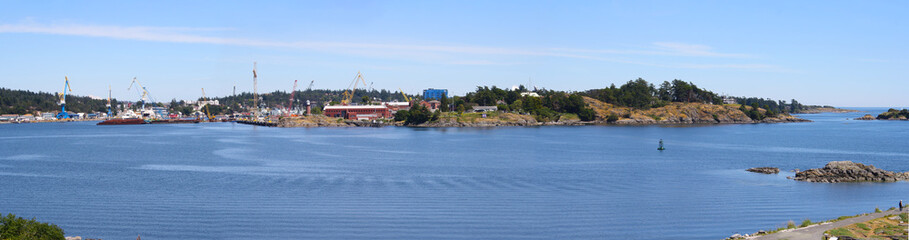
(843, 53)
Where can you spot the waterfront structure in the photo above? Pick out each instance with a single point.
(394, 107)
(367, 112)
(436, 94)
(431, 105)
(531, 94)
(484, 108)
(8, 117)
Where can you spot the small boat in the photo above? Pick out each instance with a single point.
(661, 148)
(123, 121)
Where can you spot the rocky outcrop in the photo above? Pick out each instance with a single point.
(764, 170)
(866, 117)
(847, 171)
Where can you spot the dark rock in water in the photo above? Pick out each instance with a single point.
(847, 171)
(764, 170)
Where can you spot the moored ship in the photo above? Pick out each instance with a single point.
(123, 121)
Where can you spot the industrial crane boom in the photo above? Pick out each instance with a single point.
(255, 91)
(144, 91)
(109, 92)
(406, 98)
(290, 106)
(349, 93)
(63, 114)
(207, 113)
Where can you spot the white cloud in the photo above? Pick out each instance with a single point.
(436, 53)
(664, 49)
(696, 50)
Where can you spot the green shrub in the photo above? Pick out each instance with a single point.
(12, 227)
(840, 232)
(587, 114)
(805, 223)
(790, 224)
(877, 210)
(612, 118)
(863, 226)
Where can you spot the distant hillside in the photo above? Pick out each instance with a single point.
(27, 102)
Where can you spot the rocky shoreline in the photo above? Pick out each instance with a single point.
(764, 170)
(840, 171)
(827, 110)
(293, 123)
(847, 171)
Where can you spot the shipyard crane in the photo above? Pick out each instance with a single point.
(109, 92)
(309, 88)
(349, 93)
(406, 98)
(144, 91)
(63, 114)
(290, 106)
(310, 85)
(255, 92)
(207, 113)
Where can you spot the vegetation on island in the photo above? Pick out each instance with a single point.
(893, 114)
(18, 228)
(543, 105)
(639, 94)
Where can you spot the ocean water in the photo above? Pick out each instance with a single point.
(231, 181)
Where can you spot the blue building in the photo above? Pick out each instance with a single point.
(436, 94)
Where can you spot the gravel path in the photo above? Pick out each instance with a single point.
(816, 232)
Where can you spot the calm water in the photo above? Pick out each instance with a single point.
(229, 181)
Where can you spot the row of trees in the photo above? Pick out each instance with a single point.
(640, 94)
(773, 105)
(28, 102)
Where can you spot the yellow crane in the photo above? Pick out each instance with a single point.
(349, 93)
(207, 113)
(406, 98)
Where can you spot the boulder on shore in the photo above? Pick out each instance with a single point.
(764, 170)
(847, 171)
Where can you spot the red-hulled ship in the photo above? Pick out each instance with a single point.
(123, 121)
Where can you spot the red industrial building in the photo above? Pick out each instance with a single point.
(368, 112)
